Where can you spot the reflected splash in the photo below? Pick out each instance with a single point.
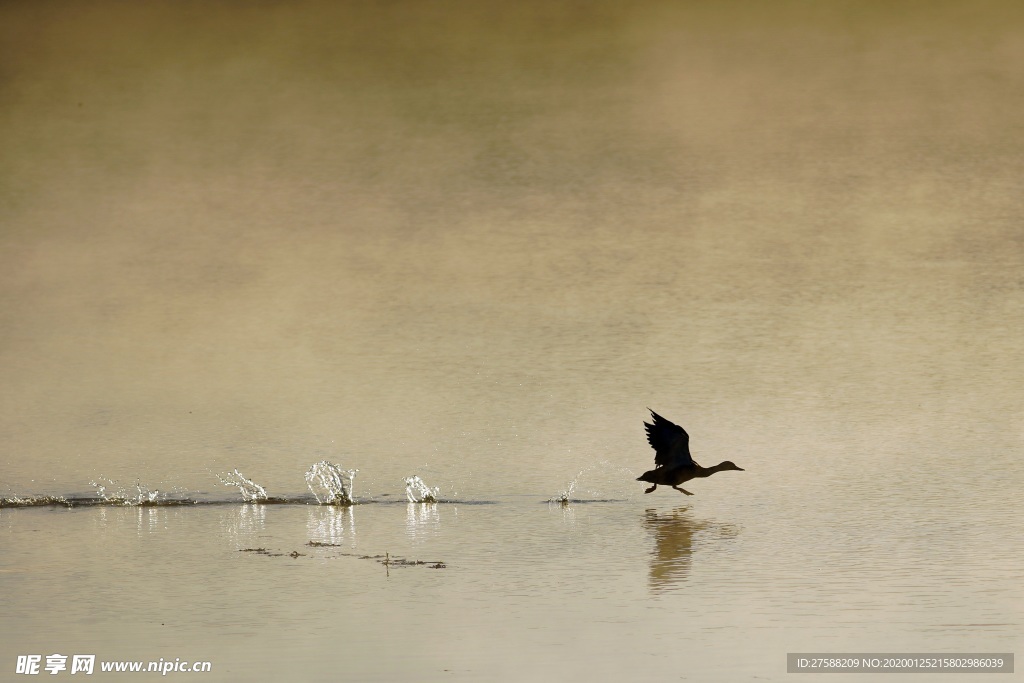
(330, 484)
(329, 525)
(422, 518)
(245, 520)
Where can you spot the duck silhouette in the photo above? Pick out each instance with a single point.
(673, 462)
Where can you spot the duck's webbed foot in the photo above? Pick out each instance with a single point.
(650, 489)
(682, 490)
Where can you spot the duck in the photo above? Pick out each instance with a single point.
(673, 463)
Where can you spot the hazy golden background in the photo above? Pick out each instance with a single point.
(480, 237)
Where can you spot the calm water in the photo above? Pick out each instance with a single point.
(473, 242)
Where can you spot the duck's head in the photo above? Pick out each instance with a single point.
(730, 465)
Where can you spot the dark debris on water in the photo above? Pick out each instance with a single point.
(263, 551)
(386, 559)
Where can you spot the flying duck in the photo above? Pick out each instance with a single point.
(673, 463)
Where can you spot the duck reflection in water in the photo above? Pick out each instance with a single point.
(676, 536)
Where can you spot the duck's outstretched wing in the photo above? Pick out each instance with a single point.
(670, 442)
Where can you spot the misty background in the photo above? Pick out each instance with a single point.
(475, 240)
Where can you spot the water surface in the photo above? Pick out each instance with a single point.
(472, 242)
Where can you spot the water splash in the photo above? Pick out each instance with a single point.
(603, 480)
(565, 496)
(330, 484)
(115, 494)
(418, 492)
(251, 491)
(16, 501)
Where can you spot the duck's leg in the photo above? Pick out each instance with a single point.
(683, 490)
(650, 489)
